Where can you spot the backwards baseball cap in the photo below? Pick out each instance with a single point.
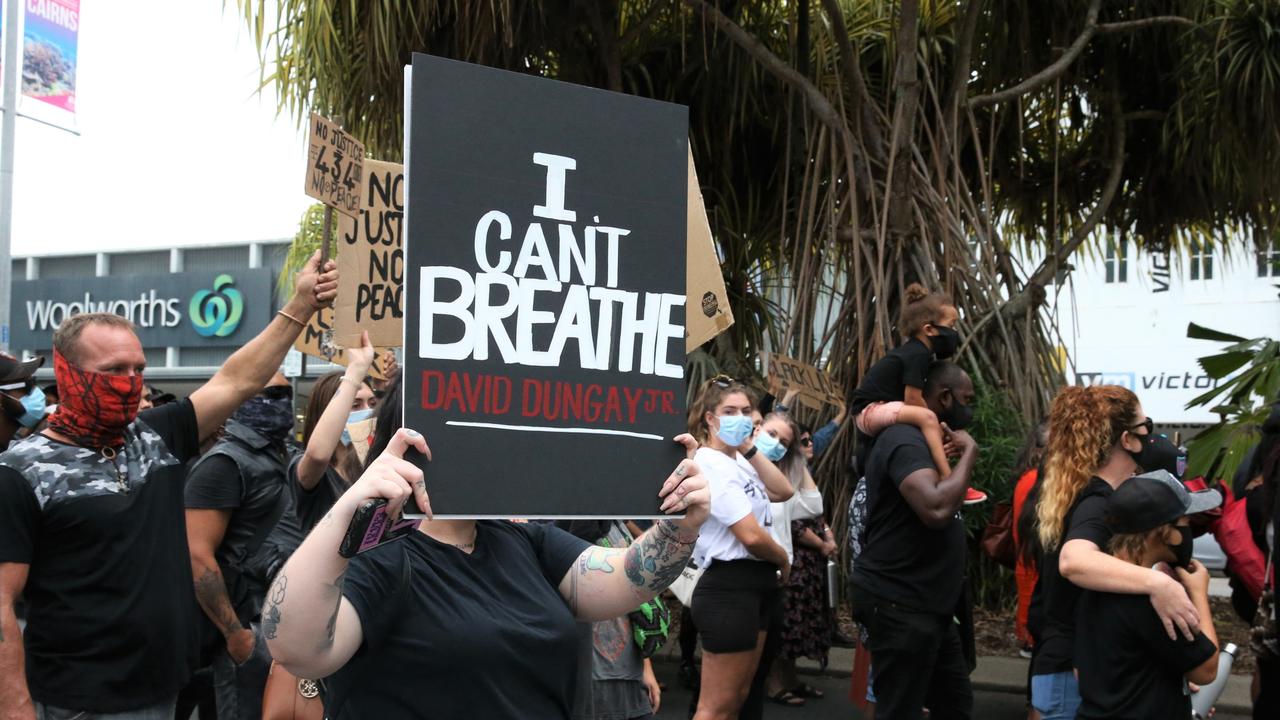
(1145, 502)
(15, 373)
(1161, 454)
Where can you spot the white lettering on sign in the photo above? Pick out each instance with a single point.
(524, 283)
(149, 310)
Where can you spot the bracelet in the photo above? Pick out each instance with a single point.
(668, 529)
(287, 316)
(750, 453)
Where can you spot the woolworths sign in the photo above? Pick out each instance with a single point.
(181, 309)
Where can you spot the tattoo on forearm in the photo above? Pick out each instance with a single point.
(271, 613)
(211, 592)
(655, 560)
(332, 626)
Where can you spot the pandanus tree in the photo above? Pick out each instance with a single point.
(849, 147)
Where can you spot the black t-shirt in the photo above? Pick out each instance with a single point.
(311, 505)
(907, 364)
(1129, 668)
(905, 561)
(111, 610)
(1086, 520)
(485, 635)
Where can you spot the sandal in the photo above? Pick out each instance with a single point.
(786, 698)
(807, 691)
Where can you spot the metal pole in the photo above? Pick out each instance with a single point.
(12, 76)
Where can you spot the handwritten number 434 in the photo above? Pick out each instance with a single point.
(339, 173)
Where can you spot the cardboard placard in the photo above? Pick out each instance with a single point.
(544, 293)
(317, 340)
(335, 166)
(707, 313)
(371, 262)
(814, 385)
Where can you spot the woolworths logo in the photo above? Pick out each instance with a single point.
(217, 312)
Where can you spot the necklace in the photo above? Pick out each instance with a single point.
(122, 478)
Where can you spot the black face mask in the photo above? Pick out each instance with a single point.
(1184, 549)
(945, 343)
(957, 417)
(1143, 457)
(270, 413)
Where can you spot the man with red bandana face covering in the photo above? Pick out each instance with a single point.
(92, 527)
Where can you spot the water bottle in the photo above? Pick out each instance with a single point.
(833, 584)
(1203, 700)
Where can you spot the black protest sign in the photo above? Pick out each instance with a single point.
(545, 291)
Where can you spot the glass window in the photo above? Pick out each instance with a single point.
(1269, 258)
(1201, 260)
(1117, 262)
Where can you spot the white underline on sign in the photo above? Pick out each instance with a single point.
(538, 428)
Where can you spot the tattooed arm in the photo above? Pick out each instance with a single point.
(205, 530)
(15, 701)
(307, 593)
(605, 583)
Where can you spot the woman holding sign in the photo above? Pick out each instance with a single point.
(739, 594)
(461, 618)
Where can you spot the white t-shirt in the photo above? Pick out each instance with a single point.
(804, 505)
(736, 492)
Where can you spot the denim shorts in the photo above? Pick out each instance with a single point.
(1056, 696)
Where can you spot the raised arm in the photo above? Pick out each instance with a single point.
(248, 369)
(328, 430)
(15, 699)
(1084, 564)
(776, 484)
(307, 592)
(936, 499)
(594, 588)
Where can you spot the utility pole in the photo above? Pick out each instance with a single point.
(12, 77)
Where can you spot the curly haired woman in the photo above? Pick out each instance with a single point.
(1096, 443)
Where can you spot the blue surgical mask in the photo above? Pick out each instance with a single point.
(735, 429)
(355, 417)
(770, 446)
(34, 405)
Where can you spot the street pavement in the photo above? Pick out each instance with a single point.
(988, 704)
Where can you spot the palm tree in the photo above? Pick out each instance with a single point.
(849, 147)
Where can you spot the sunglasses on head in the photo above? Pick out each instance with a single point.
(724, 381)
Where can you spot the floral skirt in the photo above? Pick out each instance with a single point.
(806, 626)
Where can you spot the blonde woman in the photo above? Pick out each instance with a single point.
(1097, 438)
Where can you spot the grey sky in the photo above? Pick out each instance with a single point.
(175, 147)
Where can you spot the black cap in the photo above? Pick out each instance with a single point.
(1145, 502)
(1162, 454)
(14, 371)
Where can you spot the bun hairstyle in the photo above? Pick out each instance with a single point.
(921, 307)
(1084, 424)
(713, 392)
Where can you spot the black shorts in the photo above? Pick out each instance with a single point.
(733, 602)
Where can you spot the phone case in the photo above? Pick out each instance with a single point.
(371, 527)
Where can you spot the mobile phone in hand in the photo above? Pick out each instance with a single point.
(371, 526)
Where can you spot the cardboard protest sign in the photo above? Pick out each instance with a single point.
(335, 166)
(317, 340)
(544, 293)
(814, 385)
(371, 262)
(707, 313)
